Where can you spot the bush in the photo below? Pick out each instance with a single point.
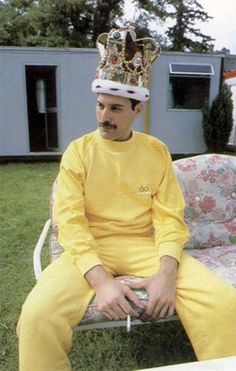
(218, 120)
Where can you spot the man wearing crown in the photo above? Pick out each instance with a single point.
(120, 211)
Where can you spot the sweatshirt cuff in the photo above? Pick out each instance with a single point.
(85, 263)
(172, 249)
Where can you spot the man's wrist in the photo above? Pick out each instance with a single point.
(168, 264)
(96, 276)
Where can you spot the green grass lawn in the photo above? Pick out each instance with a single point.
(24, 198)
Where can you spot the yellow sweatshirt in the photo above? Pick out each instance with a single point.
(108, 189)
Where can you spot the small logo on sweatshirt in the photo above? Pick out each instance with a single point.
(144, 190)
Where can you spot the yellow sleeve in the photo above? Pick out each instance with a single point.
(73, 230)
(171, 232)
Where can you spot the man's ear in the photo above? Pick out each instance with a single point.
(138, 109)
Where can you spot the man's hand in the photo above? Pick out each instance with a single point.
(113, 298)
(161, 289)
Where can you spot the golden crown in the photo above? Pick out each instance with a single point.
(125, 63)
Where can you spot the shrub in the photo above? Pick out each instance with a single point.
(218, 120)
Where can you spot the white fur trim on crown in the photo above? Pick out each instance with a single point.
(116, 88)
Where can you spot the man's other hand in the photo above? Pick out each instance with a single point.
(161, 289)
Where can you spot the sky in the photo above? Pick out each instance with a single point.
(222, 27)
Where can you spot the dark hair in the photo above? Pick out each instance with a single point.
(134, 103)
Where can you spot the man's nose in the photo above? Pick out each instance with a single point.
(105, 116)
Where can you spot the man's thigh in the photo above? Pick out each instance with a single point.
(202, 295)
(61, 291)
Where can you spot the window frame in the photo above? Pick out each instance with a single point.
(184, 73)
(191, 73)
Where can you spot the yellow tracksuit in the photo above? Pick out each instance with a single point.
(118, 204)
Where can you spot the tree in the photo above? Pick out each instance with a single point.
(218, 120)
(14, 22)
(183, 35)
(77, 23)
(62, 23)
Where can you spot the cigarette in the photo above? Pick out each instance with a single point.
(128, 323)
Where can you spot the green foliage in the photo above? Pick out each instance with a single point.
(218, 120)
(61, 23)
(14, 22)
(144, 347)
(24, 199)
(77, 23)
(183, 35)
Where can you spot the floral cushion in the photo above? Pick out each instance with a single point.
(220, 259)
(209, 186)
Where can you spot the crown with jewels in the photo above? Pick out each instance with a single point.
(125, 64)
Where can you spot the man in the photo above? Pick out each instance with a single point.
(119, 211)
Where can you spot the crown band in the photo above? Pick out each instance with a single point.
(122, 90)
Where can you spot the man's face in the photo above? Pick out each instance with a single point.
(115, 116)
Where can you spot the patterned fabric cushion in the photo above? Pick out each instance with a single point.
(220, 259)
(209, 186)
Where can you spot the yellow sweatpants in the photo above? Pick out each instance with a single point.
(205, 304)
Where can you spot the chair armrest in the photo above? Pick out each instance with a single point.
(38, 249)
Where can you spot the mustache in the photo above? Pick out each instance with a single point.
(107, 125)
